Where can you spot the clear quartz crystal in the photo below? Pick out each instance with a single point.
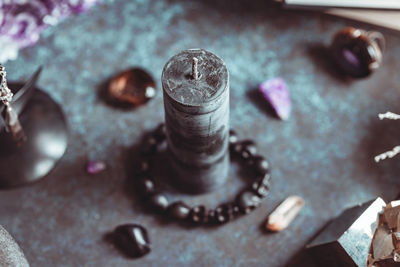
(284, 214)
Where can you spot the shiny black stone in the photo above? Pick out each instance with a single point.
(230, 210)
(260, 189)
(236, 149)
(198, 214)
(211, 216)
(160, 133)
(249, 149)
(248, 201)
(179, 210)
(149, 147)
(265, 179)
(143, 167)
(259, 164)
(221, 215)
(146, 186)
(159, 202)
(233, 139)
(132, 239)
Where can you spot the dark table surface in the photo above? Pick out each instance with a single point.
(323, 153)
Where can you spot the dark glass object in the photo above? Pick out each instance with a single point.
(357, 52)
(134, 86)
(132, 239)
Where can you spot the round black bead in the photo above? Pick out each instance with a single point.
(178, 210)
(265, 179)
(146, 186)
(233, 139)
(210, 218)
(132, 239)
(160, 133)
(249, 149)
(159, 202)
(260, 164)
(149, 146)
(198, 214)
(143, 167)
(221, 214)
(260, 189)
(236, 149)
(248, 201)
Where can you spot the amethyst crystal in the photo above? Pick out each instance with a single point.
(94, 167)
(275, 91)
(21, 21)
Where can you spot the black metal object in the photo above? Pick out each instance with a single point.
(45, 127)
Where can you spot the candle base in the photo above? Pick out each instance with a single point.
(199, 179)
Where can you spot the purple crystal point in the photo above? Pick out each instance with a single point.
(276, 92)
(94, 167)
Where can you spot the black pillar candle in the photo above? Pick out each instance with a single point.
(196, 100)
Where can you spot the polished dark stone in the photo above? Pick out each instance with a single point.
(248, 201)
(178, 210)
(249, 149)
(143, 166)
(134, 86)
(149, 147)
(132, 239)
(260, 188)
(221, 215)
(259, 164)
(146, 186)
(160, 132)
(159, 202)
(198, 214)
(233, 138)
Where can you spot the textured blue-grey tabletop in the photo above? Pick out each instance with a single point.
(323, 153)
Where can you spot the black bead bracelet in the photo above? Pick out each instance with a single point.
(246, 201)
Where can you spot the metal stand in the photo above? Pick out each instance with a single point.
(45, 127)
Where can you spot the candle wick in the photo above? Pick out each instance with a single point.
(195, 73)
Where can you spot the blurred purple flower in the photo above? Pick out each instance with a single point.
(22, 21)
